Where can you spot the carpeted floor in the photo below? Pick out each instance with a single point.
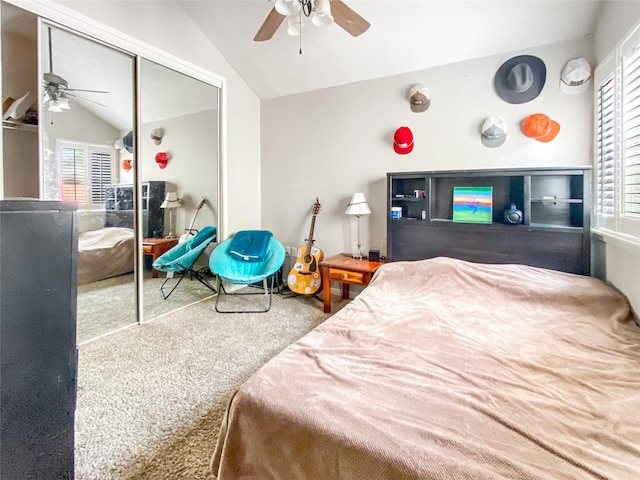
(151, 397)
(110, 304)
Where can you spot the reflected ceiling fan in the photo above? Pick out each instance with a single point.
(56, 88)
(323, 13)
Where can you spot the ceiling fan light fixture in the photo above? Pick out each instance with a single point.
(322, 17)
(294, 26)
(287, 7)
(54, 106)
(63, 102)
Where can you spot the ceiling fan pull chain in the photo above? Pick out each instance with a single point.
(300, 38)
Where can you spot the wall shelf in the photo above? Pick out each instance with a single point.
(25, 127)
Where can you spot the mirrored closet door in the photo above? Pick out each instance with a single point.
(86, 109)
(116, 133)
(178, 162)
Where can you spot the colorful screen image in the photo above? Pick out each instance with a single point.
(472, 204)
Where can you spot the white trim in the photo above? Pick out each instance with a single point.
(621, 240)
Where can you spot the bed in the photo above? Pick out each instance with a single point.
(104, 253)
(447, 369)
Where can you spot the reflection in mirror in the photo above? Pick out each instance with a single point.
(87, 104)
(19, 118)
(179, 171)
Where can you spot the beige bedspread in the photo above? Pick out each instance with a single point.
(105, 253)
(443, 369)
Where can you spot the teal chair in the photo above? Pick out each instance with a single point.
(182, 258)
(250, 257)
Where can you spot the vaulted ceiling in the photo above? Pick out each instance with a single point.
(404, 36)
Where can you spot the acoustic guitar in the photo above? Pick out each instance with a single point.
(190, 232)
(304, 277)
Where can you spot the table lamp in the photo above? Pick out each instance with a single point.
(358, 207)
(171, 202)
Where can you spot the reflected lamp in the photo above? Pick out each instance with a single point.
(171, 202)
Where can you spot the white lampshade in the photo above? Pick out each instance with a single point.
(358, 205)
(287, 7)
(322, 17)
(171, 201)
(295, 26)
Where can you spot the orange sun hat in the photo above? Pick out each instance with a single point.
(540, 127)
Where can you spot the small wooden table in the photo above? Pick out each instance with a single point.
(156, 247)
(347, 270)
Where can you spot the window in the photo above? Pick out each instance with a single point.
(86, 171)
(617, 149)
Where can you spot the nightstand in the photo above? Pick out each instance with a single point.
(347, 270)
(156, 247)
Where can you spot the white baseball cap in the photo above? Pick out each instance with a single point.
(576, 76)
(493, 132)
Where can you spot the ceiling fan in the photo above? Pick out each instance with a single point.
(56, 88)
(325, 12)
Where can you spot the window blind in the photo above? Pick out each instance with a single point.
(74, 174)
(631, 134)
(100, 166)
(606, 178)
(617, 140)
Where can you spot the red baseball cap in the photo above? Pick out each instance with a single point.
(161, 159)
(540, 127)
(403, 140)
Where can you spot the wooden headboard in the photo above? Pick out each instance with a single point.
(553, 233)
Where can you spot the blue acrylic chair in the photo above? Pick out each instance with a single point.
(250, 257)
(182, 258)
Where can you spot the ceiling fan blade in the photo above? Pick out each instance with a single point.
(83, 90)
(349, 20)
(86, 99)
(269, 27)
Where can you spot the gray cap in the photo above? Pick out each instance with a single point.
(493, 132)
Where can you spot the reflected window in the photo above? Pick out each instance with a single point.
(86, 172)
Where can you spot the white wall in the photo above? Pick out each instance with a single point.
(613, 22)
(20, 147)
(191, 171)
(622, 259)
(334, 142)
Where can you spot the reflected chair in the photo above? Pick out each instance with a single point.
(248, 258)
(182, 258)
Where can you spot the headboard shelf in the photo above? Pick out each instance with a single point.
(554, 206)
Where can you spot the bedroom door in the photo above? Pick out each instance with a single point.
(179, 146)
